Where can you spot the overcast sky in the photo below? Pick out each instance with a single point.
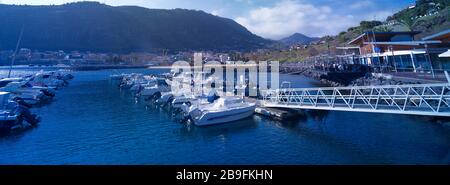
(273, 19)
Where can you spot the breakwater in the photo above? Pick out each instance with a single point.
(333, 79)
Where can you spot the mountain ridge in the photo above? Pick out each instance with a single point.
(298, 38)
(92, 26)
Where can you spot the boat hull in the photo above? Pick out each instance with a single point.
(214, 118)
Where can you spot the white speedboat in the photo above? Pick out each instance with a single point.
(167, 98)
(222, 110)
(183, 101)
(8, 119)
(18, 89)
(48, 80)
(146, 82)
(153, 90)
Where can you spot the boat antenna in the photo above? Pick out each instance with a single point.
(15, 52)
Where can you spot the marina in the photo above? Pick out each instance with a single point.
(93, 117)
(173, 89)
(203, 109)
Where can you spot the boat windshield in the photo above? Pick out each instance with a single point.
(224, 103)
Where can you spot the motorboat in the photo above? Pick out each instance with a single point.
(155, 90)
(21, 89)
(145, 82)
(8, 119)
(15, 114)
(117, 76)
(62, 75)
(128, 80)
(154, 86)
(180, 101)
(134, 81)
(222, 110)
(167, 98)
(183, 100)
(48, 79)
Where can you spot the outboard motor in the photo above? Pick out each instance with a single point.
(22, 102)
(169, 101)
(184, 119)
(22, 109)
(185, 107)
(194, 112)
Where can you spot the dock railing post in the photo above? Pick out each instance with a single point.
(427, 55)
(447, 77)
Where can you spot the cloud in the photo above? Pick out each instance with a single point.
(245, 1)
(361, 4)
(288, 17)
(377, 15)
(217, 12)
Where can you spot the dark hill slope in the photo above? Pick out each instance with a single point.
(91, 26)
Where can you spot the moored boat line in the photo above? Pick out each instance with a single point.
(201, 110)
(19, 94)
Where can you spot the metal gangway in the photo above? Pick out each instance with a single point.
(412, 99)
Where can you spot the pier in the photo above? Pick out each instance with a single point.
(412, 99)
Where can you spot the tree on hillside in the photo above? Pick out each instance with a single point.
(312, 51)
(383, 28)
(408, 22)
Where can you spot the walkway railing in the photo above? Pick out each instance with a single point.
(414, 99)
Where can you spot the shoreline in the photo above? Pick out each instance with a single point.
(205, 65)
(367, 80)
(370, 79)
(75, 67)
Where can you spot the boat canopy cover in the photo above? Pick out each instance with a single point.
(445, 54)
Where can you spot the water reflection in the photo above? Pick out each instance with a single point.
(16, 135)
(317, 115)
(93, 122)
(189, 130)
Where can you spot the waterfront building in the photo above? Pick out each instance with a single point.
(348, 55)
(400, 51)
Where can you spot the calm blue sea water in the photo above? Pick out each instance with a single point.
(93, 122)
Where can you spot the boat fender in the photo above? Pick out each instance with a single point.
(25, 114)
